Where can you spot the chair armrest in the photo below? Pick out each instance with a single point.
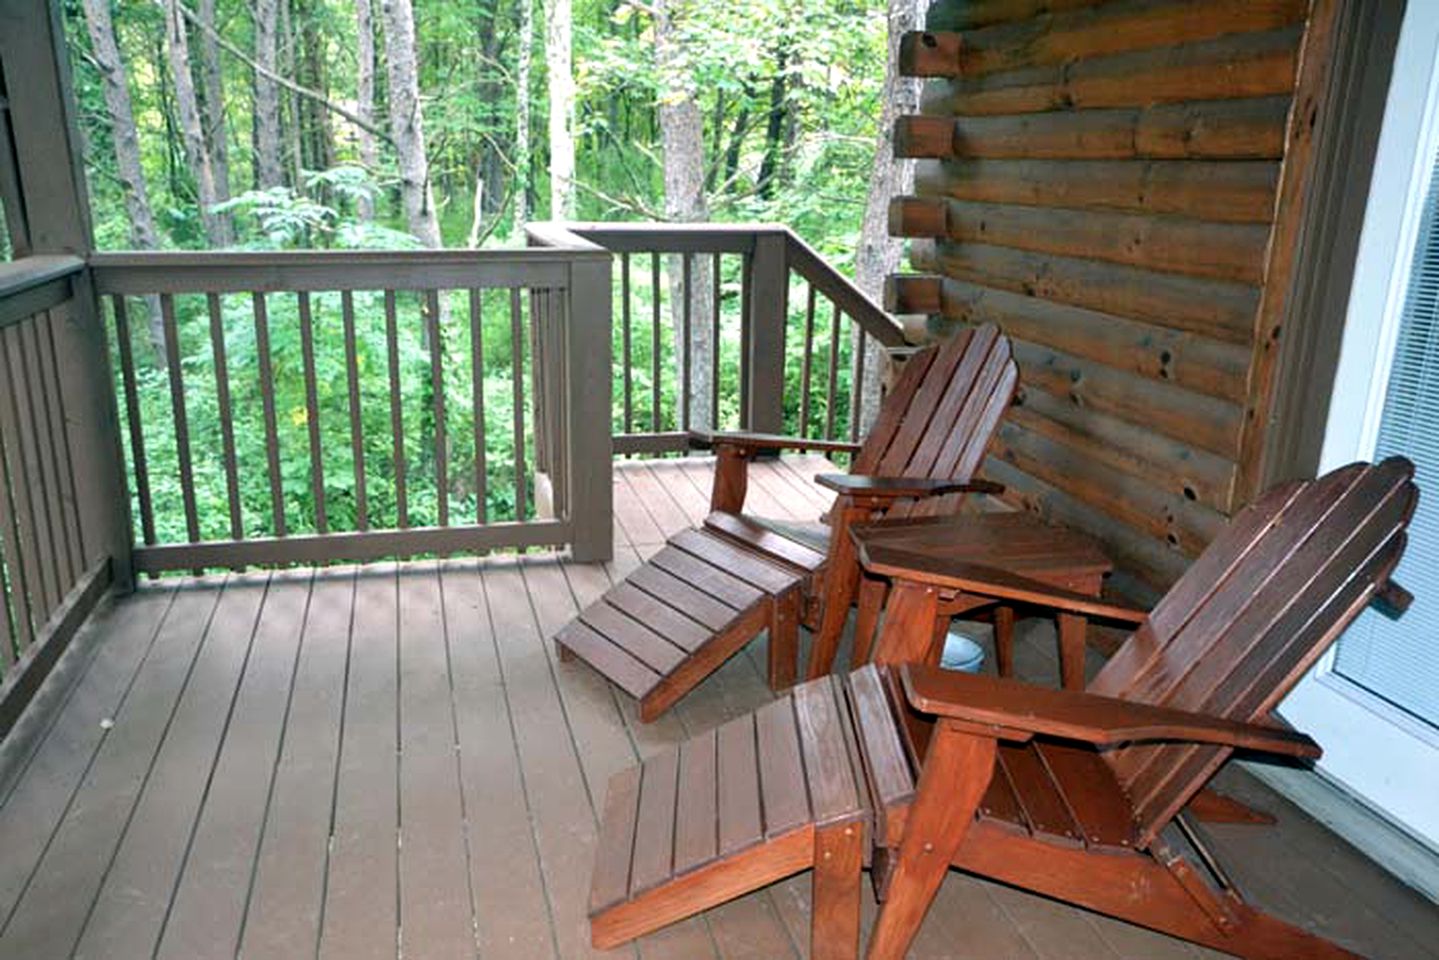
(896, 561)
(1019, 711)
(706, 439)
(891, 488)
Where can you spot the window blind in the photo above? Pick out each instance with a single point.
(1398, 661)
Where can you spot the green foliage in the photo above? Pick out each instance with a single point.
(788, 87)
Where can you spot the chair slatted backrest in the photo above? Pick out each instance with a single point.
(1252, 614)
(938, 418)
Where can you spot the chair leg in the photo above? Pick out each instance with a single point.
(872, 592)
(838, 863)
(784, 641)
(1004, 639)
(957, 770)
(841, 580)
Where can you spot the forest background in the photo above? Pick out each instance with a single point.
(372, 124)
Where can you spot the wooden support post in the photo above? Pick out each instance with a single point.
(49, 178)
(587, 409)
(768, 314)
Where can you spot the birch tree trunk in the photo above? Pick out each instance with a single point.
(682, 140)
(192, 129)
(522, 114)
(268, 169)
(878, 254)
(365, 99)
(212, 86)
(559, 65)
(406, 122)
(131, 174)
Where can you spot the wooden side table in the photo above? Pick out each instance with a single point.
(943, 566)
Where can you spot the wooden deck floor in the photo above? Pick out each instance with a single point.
(390, 761)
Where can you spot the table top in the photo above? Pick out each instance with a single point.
(1018, 542)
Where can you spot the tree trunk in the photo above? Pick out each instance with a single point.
(682, 140)
(192, 128)
(291, 131)
(269, 171)
(775, 126)
(522, 114)
(406, 122)
(365, 99)
(878, 253)
(130, 172)
(559, 66)
(212, 86)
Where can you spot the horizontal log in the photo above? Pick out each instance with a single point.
(1240, 191)
(1178, 467)
(1207, 422)
(1214, 308)
(1230, 67)
(1223, 251)
(985, 13)
(923, 53)
(1194, 362)
(918, 217)
(1211, 129)
(1184, 524)
(1117, 28)
(1146, 558)
(912, 293)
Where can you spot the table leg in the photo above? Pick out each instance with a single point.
(1071, 650)
(1004, 639)
(908, 624)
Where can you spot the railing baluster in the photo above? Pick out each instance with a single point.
(357, 435)
(132, 415)
(477, 390)
(656, 368)
(517, 377)
(7, 638)
(715, 348)
(437, 386)
(312, 412)
(625, 321)
(397, 417)
(833, 385)
(745, 293)
(182, 420)
(687, 291)
(10, 534)
(41, 570)
(81, 554)
(56, 457)
(267, 400)
(856, 390)
(227, 420)
(807, 366)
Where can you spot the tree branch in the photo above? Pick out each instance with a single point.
(306, 92)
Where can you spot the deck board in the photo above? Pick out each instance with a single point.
(410, 766)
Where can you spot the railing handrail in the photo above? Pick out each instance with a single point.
(633, 237)
(32, 284)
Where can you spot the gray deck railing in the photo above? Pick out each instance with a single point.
(730, 325)
(313, 350)
(54, 550)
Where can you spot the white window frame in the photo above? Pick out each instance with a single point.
(1373, 749)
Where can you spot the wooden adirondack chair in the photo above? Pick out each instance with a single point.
(711, 590)
(1075, 795)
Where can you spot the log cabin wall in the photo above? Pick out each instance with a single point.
(1119, 186)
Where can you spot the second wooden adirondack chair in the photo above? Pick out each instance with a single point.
(1074, 795)
(711, 590)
